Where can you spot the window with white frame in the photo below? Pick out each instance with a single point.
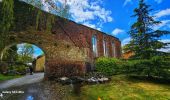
(105, 47)
(94, 44)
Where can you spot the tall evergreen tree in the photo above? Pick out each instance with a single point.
(145, 41)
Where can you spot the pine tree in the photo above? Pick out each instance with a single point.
(145, 41)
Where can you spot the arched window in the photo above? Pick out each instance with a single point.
(105, 47)
(94, 44)
(113, 49)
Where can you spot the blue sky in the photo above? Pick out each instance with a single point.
(113, 16)
(123, 9)
(37, 50)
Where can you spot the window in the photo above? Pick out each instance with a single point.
(105, 47)
(113, 49)
(94, 44)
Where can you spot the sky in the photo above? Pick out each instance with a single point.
(37, 50)
(114, 16)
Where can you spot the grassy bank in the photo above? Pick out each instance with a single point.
(124, 88)
(7, 77)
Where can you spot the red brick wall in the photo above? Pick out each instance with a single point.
(81, 36)
(71, 35)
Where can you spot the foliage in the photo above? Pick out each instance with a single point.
(17, 59)
(6, 21)
(11, 54)
(157, 66)
(144, 39)
(7, 15)
(25, 54)
(107, 66)
(20, 69)
(16, 69)
(26, 13)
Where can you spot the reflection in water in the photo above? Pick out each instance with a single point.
(30, 98)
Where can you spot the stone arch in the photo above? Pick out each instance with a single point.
(63, 58)
(19, 42)
(15, 43)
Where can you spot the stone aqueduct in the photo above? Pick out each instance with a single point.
(68, 47)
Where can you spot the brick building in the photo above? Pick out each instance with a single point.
(70, 48)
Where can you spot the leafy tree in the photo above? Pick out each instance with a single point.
(144, 39)
(25, 54)
(11, 55)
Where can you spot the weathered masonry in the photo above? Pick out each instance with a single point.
(70, 48)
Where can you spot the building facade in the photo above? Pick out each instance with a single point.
(70, 48)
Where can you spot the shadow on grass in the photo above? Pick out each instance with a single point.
(137, 78)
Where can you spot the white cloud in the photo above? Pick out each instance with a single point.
(126, 2)
(162, 13)
(158, 1)
(167, 49)
(117, 31)
(89, 24)
(165, 23)
(45, 5)
(83, 11)
(165, 40)
(92, 25)
(130, 1)
(126, 41)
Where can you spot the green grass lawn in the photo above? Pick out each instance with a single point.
(7, 77)
(123, 88)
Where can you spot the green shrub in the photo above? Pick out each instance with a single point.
(128, 66)
(157, 66)
(161, 66)
(107, 66)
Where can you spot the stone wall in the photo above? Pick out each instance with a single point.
(60, 54)
(67, 47)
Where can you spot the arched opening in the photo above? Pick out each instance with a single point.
(23, 59)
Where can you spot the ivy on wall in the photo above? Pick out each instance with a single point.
(26, 15)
